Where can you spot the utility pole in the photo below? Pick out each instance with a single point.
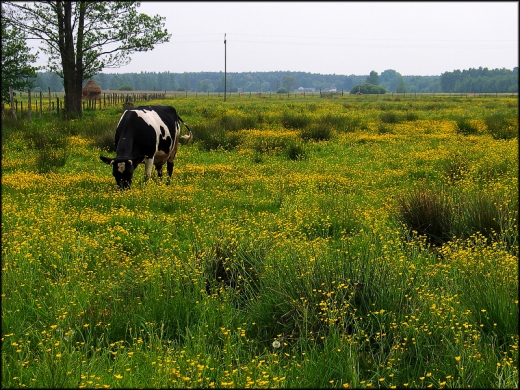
(225, 73)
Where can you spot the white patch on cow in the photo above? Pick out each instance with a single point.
(153, 119)
(121, 167)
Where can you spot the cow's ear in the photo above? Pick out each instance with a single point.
(106, 160)
(137, 160)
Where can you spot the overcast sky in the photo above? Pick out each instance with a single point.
(413, 38)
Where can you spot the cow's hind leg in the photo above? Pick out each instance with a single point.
(159, 167)
(169, 168)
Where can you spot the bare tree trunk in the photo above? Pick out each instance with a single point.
(71, 74)
(13, 111)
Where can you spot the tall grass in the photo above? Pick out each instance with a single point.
(373, 259)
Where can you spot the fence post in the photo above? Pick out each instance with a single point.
(41, 101)
(50, 105)
(29, 105)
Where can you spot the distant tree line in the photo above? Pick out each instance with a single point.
(481, 80)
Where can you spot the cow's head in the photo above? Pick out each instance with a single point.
(123, 169)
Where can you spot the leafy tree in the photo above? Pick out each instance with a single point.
(288, 82)
(389, 79)
(401, 88)
(17, 72)
(205, 86)
(449, 80)
(83, 37)
(373, 78)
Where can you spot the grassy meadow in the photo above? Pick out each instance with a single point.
(350, 242)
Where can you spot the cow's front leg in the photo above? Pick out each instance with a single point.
(148, 165)
(169, 168)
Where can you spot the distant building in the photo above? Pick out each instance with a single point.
(301, 90)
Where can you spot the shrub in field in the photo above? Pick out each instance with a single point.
(229, 266)
(367, 88)
(11, 125)
(52, 145)
(333, 121)
(232, 122)
(411, 116)
(351, 123)
(106, 140)
(495, 217)
(50, 159)
(264, 145)
(316, 132)
(465, 126)
(291, 120)
(427, 213)
(389, 117)
(384, 128)
(211, 136)
(295, 150)
(502, 127)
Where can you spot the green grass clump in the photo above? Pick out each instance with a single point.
(466, 126)
(316, 132)
(428, 213)
(500, 126)
(291, 120)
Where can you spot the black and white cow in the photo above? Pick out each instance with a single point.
(150, 134)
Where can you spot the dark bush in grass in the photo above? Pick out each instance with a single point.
(212, 137)
(227, 265)
(465, 126)
(52, 144)
(295, 150)
(50, 159)
(411, 116)
(389, 117)
(234, 123)
(336, 122)
(316, 132)
(292, 120)
(11, 125)
(351, 124)
(502, 127)
(384, 128)
(493, 216)
(106, 140)
(427, 213)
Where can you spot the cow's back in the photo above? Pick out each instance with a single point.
(140, 130)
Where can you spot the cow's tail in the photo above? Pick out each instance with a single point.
(187, 137)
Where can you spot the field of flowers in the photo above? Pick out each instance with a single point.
(353, 242)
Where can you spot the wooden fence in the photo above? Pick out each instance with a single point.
(50, 103)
